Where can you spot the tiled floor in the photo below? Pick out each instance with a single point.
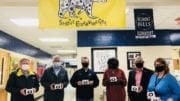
(69, 94)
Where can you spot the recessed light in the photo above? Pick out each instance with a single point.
(66, 51)
(54, 40)
(25, 21)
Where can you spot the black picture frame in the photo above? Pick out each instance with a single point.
(99, 57)
(131, 56)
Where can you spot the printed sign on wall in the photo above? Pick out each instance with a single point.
(144, 23)
(82, 13)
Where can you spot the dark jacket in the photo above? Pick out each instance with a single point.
(18, 81)
(146, 75)
(86, 91)
(49, 78)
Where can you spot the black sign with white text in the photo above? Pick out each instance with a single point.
(144, 23)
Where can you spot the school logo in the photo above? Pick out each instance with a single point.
(70, 6)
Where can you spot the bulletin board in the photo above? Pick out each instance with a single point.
(100, 57)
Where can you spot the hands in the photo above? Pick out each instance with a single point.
(140, 89)
(34, 90)
(79, 83)
(52, 86)
(56, 86)
(22, 92)
(91, 82)
(26, 91)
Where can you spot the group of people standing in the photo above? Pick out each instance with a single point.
(23, 83)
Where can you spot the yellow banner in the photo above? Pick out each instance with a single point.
(82, 14)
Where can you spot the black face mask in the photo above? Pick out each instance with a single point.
(85, 64)
(159, 68)
(139, 65)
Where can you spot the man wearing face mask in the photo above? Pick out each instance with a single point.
(54, 80)
(22, 83)
(138, 81)
(84, 80)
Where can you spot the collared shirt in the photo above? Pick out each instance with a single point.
(138, 77)
(56, 70)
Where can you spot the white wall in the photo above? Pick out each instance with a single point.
(149, 54)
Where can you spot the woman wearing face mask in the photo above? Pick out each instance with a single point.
(162, 83)
(22, 83)
(115, 81)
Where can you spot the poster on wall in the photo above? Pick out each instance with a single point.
(144, 23)
(82, 14)
(100, 57)
(131, 56)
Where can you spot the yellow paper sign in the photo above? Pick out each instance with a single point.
(82, 14)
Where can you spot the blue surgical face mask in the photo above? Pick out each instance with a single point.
(57, 64)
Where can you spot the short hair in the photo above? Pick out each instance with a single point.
(23, 59)
(113, 63)
(82, 58)
(139, 59)
(162, 61)
(56, 56)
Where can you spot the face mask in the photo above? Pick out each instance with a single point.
(25, 67)
(159, 68)
(58, 64)
(85, 64)
(139, 65)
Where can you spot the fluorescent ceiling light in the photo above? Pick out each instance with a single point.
(25, 21)
(54, 39)
(66, 51)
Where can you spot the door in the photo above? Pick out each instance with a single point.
(4, 73)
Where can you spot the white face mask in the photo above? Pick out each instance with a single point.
(25, 67)
(57, 64)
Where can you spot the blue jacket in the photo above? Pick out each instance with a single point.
(165, 88)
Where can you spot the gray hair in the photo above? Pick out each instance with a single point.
(139, 59)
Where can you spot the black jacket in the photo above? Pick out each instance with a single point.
(49, 78)
(18, 81)
(146, 75)
(84, 92)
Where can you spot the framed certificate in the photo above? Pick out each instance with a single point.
(100, 57)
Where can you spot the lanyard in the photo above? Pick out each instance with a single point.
(158, 81)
